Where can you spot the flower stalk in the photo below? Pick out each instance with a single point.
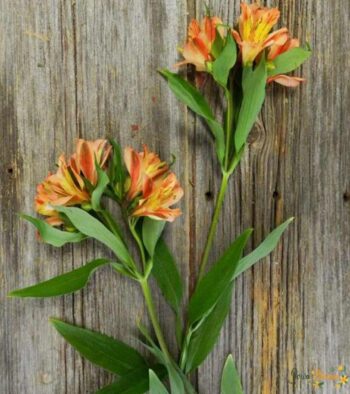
(153, 316)
(213, 225)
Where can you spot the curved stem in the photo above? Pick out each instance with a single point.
(213, 225)
(153, 316)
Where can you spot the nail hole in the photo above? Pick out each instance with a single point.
(275, 194)
(10, 170)
(209, 195)
(346, 196)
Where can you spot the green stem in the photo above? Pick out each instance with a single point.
(148, 295)
(153, 316)
(111, 223)
(213, 225)
(139, 244)
(229, 123)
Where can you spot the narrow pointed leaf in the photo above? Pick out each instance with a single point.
(216, 280)
(289, 61)
(102, 183)
(205, 337)
(167, 275)
(191, 96)
(225, 61)
(93, 228)
(52, 235)
(253, 85)
(106, 352)
(230, 381)
(62, 284)
(151, 231)
(134, 382)
(178, 381)
(155, 385)
(265, 248)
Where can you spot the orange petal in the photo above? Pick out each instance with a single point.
(275, 37)
(87, 162)
(286, 80)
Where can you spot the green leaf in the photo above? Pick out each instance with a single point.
(289, 61)
(167, 275)
(62, 284)
(134, 382)
(155, 385)
(212, 285)
(230, 381)
(124, 270)
(106, 352)
(93, 228)
(225, 61)
(178, 381)
(151, 231)
(176, 378)
(206, 336)
(218, 44)
(117, 169)
(265, 248)
(52, 235)
(253, 86)
(190, 96)
(102, 183)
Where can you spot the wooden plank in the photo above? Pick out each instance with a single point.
(77, 69)
(37, 104)
(290, 310)
(119, 47)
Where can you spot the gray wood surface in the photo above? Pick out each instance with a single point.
(87, 69)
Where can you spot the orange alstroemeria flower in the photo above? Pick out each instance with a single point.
(285, 44)
(153, 189)
(142, 166)
(158, 197)
(254, 25)
(83, 160)
(62, 188)
(197, 50)
(67, 187)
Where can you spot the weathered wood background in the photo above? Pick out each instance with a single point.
(87, 68)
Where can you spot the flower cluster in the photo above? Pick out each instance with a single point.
(253, 35)
(201, 36)
(69, 186)
(150, 190)
(152, 186)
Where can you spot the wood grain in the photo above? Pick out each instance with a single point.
(87, 68)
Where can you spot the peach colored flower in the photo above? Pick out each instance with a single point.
(61, 188)
(157, 198)
(142, 166)
(254, 25)
(67, 186)
(285, 44)
(197, 50)
(83, 160)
